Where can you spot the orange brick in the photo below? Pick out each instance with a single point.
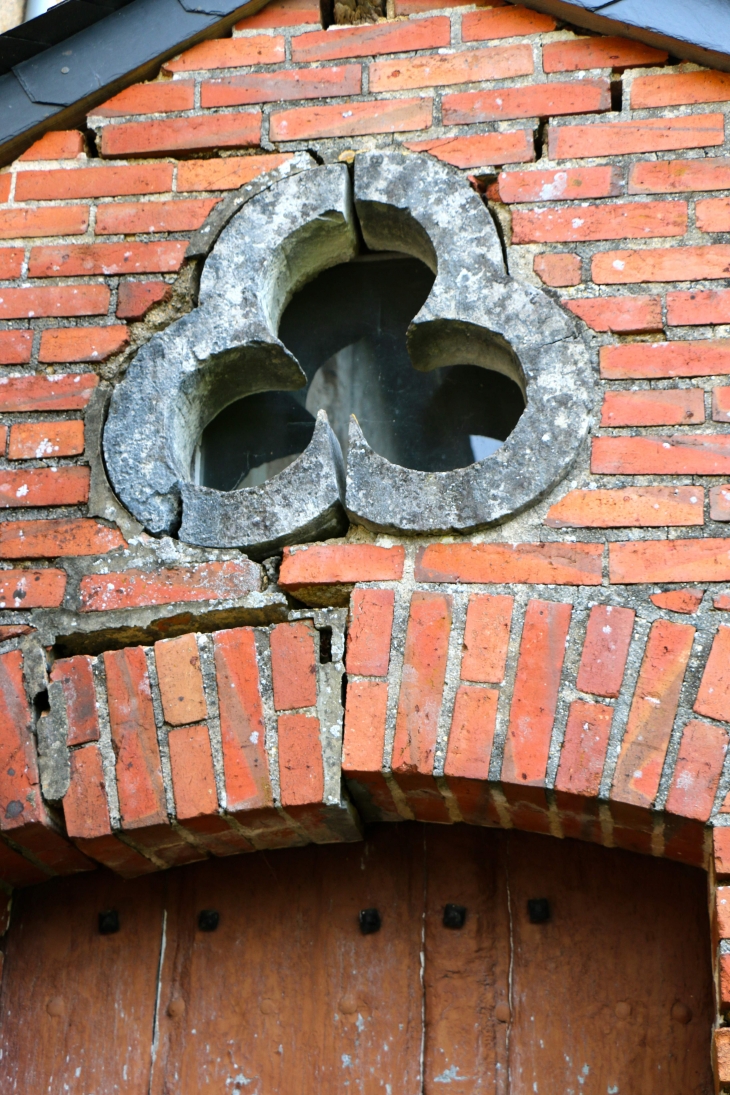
(720, 503)
(193, 778)
(368, 636)
(135, 298)
(54, 220)
(41, 440)
(364, 740)
(690, 307)
(572, 183)
(529, 101)
(641, 507)
(625, 315)
(722, 911)
(670, 561)
(85, 808)
(127, 218)
(596, 222)
(282, 13)
(599, 52)
(651, 717)
(558, 270)
(135, 588)
(132, 720)
(15, 347)
(190, 134)
(158, 97)
(508, 22)
(486, 638)
(662, 264)
(5, 180)
(19, 791)
(301, 770)
(680, 88)
(180, 680)
(351, 119)
(713, 215)
(65, 144)
(52, 539)
(721, 850)
(274, 87)
(480, 150)
(44, 487)
(61, 300)
(697, 771)
(293, 666)
(701, 454)
(432, 70)
(472, 733)
(679, 176)
(11, 264)
(339, 564)
(648, 135)
(61, 392)
(32, 588)
(80, 260)
(264, 49)
(667, 407)
(77, 680)
(535, 696)
(368, 41)
(227, 173)
(713, 698)
(543, 564)
(655, 360)
(678, 600)
(584, 750)
(605, 650)
(93, 182)
(721, 404)
(76, 344)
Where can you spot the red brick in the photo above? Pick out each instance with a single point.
(424, 671)
(282, 13)
(53, 220)
(713, 215)
(136, 298)
(293, 666)
(558, 270)
(697, 771)
(655, 360)
(724, 1001)
(690, 307)
(364, 738)
(193, 778)
(720, 503)
(77, 344)
(17, 871)
(132, 720)
(81, 260)
(32, 588)
(368, 41)
(180, 680)
(470, 66)
(85, 808)
(166, 844)
(227, 173)
(128, 218)
(11, 264)
(301, 769)
(15, 347)
(60, 300)
(158, 97)
(486, 638)
(680, 88)
(605, 650)
(670, 561)
(647, 135)
(535, 696)
(599, 52)
(666, 407)
(41, 440)
(641, 507)
(569, 184)
(20, 800)
(477, 26)
(662, 264)
(242, 722)
(77, 679)
(43, 487)
(480, 150)
(721, 404)
(584, 750)
(65, 144)
(323, 565)
(679, 176)
(264, 49)
(595, 222)
(722, 602)
(274, 87)
(679, 600)
(93, 182)
(368, 636)
(14, 631)
(721, 850)
(713, 698)
(625, 315)
(652, 713)
(53, 539)
(61, 392)
(542, 564)
(179, 135)
(5, 180)
(698, 454)
(529, 101)
(135, 588)
(351, 119)
(472, 732)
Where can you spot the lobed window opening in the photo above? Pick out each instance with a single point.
(347, 328)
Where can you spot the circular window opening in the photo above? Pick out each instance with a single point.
(347, 328)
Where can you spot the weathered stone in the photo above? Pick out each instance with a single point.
(54, 762)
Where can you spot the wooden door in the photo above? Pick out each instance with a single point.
(610, 994)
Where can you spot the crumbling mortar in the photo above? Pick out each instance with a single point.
(460, 600)
(504, 702)
(106, 743)
(162, 731)
(210, 686)
(573, 650)
(623, 703)
(271, 737)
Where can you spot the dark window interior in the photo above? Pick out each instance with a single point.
(347, 329)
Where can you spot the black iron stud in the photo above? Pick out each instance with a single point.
(370, 921)
(454, 916)
(208, 920)
(538, 910)
(108, 922)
